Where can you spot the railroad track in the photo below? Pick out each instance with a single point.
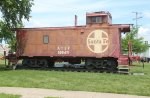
(72, 70)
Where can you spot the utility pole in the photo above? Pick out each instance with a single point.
(136, 20)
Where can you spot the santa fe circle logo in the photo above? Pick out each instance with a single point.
(97, 41)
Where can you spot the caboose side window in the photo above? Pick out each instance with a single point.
(95, 19)
(45, 39)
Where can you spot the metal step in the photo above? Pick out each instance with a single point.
(123, 70)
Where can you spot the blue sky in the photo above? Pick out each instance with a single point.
(61, 13)
(55, 13)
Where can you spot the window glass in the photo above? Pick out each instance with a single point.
(96, 19)
(93, 19)
(45, 39)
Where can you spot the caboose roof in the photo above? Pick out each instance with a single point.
(122, 27)
(101, 13)
(49, 28)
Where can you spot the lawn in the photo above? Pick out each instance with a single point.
(80, 81)
(9, 96)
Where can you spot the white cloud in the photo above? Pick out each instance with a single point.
(147, 14)
(52, 21)
(52, 13)
(61, 13)
(48, 6)
(145, 33)
(34, 23)
(143, 30)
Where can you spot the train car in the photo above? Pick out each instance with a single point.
(98, 43)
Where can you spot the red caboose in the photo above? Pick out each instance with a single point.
(98, 43)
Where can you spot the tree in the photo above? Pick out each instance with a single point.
(138, 44)
(13, 12)
(5, 32)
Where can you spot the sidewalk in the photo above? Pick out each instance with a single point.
(41, 93)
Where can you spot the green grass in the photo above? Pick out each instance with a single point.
(2, 62)
(80, 81)
(2, 95)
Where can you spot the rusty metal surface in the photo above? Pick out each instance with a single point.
(70, 42)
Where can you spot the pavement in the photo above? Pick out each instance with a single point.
(42, 93)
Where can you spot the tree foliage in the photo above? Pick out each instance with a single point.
(5, 32)
(138, 44)
(13, 11)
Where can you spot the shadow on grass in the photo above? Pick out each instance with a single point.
(20, 67)
(137, 64)
(4, 68)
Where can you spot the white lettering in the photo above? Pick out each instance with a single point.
(63, 52)
(94, 41)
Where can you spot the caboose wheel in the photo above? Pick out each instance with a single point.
(89, 66)
(43, 63)
(112, 65)
(51, 64)
(26, 62)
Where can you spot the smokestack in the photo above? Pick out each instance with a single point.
(75, 21)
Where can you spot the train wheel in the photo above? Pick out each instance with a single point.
(51, 64)
(112, 65)
(89, 66)
(26, 62)
(43, 63)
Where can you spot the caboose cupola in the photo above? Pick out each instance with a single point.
(98, 18)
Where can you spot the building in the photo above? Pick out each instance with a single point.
(2, 49)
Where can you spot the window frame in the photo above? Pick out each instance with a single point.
(95, 19)
(45, 39)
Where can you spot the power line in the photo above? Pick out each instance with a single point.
(136, 20)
